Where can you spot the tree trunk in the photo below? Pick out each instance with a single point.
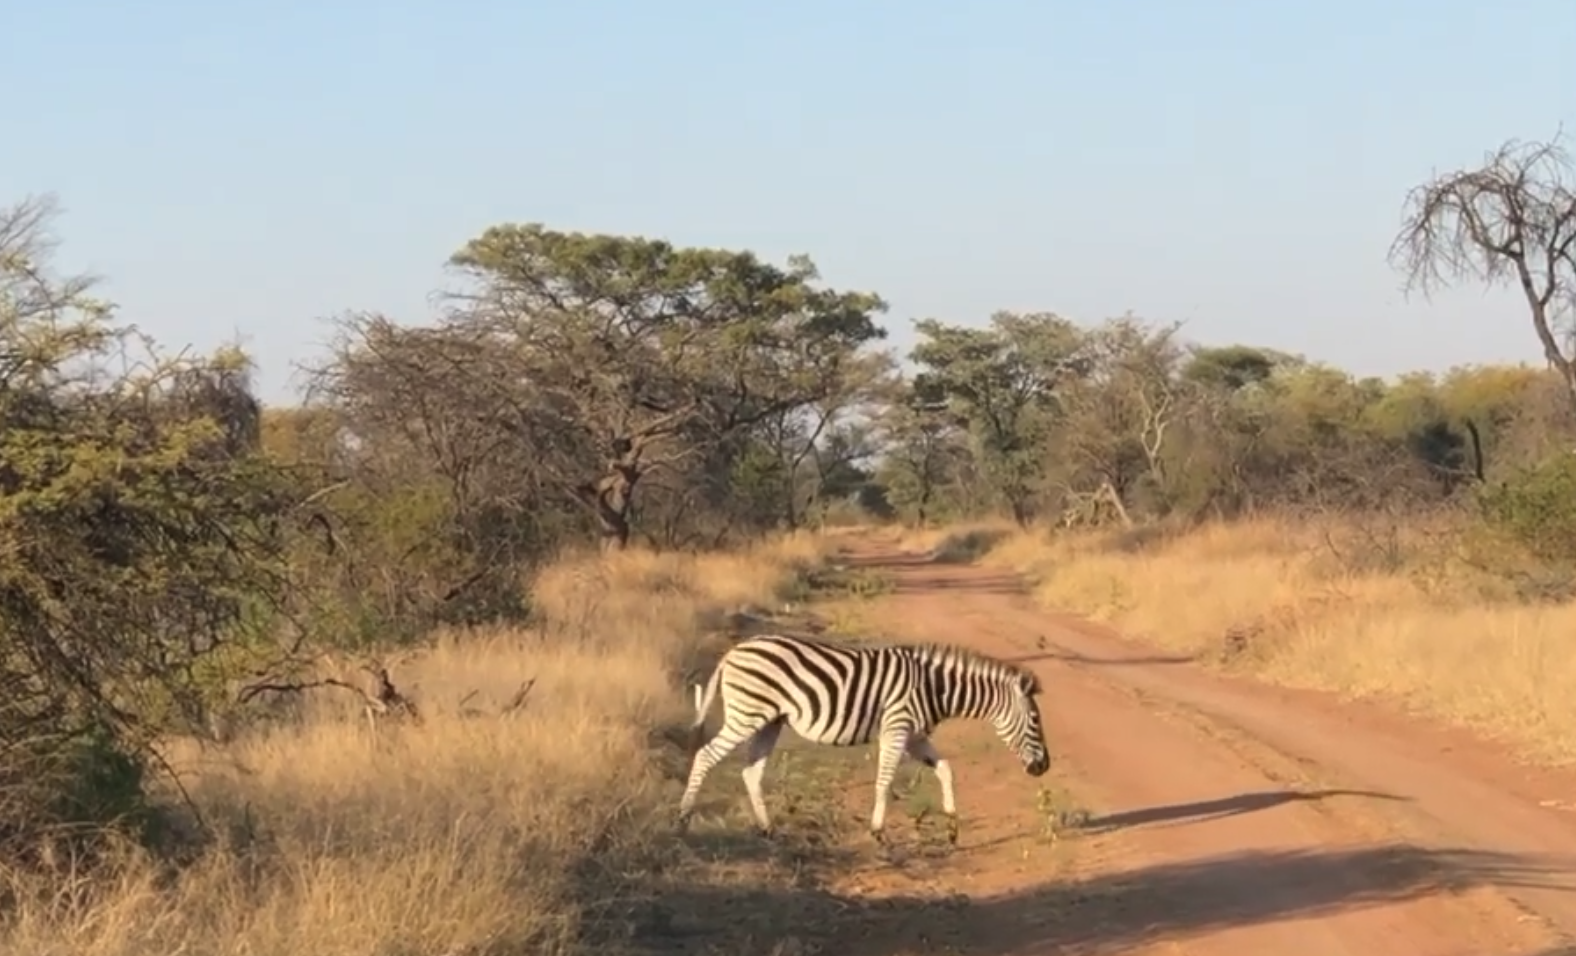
(615, 531)
(1552, 353)
(610, 500)
(1019, 502)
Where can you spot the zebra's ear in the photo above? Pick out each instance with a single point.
(1030, 682)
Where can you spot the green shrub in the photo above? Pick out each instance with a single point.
(101, 784)
(1536, 507)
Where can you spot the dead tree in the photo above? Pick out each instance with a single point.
(1091, 509)
(1156, 416)
(1512, 220)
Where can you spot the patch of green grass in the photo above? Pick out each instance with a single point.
(846, 620)
(917, 790)
(811, 784)
(1058, 812)
(916, 798)
(725, 888)
(836, 580)
(805, 787)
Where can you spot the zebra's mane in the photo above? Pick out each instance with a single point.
(936, 652)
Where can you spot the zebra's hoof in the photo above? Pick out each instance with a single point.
(952, 830)
(681, 826)
(766, 832)
(878, 835)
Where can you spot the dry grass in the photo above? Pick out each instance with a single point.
(471, 833)
(1397, 613)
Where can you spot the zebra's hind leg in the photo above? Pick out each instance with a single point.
(759, 749)
(921, 749)
(727, 738)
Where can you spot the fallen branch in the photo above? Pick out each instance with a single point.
(517, 702)
(381, 698)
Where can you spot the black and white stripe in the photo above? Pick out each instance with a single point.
(851, 694)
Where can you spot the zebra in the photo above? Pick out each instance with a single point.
(847, 695)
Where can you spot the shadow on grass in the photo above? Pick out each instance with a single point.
(967, 545)
(942, 569)
(1106, 915)
(933, 582)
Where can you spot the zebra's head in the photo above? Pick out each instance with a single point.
(1017, 722)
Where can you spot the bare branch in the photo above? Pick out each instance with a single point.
(1511, 220)
(377, 692)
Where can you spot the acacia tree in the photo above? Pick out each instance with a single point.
(1512, 219)
(1119, 415)
(922, 450)
(603, 360)
(143, 542)
(1001, 382)
(816, 441)
(438, 507)
(1217, 446)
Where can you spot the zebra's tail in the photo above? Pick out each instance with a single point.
(704, 697)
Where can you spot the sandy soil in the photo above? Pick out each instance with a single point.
(1226, 817)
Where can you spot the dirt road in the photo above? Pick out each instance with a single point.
(1227, 817)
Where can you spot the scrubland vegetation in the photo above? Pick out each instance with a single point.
(397, 669)
(352, 677)
(495, 824)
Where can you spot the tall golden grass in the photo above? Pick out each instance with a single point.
(1401, 613)
(466, 834)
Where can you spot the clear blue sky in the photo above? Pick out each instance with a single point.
(254, 167)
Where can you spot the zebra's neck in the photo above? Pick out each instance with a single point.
(954, 690)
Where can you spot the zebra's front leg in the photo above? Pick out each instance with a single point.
(921, 749)
(760, 748)
(893, 744)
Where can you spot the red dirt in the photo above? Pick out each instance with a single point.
(1229, 817)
